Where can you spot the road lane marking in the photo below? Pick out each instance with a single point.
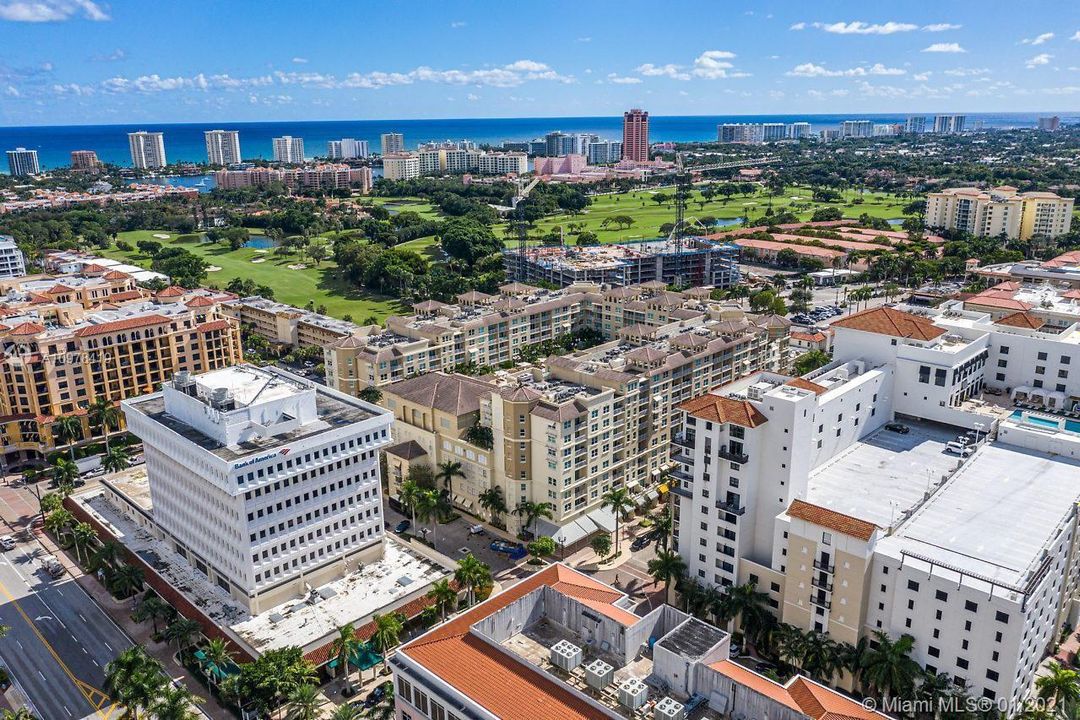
(108, 646)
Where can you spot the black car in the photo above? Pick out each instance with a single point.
(402, 526)
(375, 696)
(641, 542)
(897, 428)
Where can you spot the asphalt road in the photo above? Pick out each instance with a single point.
(59, 641)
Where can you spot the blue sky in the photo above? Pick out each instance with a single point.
(90, 61)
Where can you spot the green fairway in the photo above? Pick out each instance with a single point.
(320, 284)
(427, 247)
(408, 204)
(649, 216)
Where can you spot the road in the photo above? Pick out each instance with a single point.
(60, 640)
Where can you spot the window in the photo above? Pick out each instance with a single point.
(924, 374)
(933, 651)
(941, 595)
(913, 586)
(1001, 618)
(961, 663)
(1004, 349)
(1041, 356)
(970, 606)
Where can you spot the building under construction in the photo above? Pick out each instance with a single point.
(697, 262)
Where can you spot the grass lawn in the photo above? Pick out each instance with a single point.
(427, 247)
(295, 287)
(649, 216)
(396, 205)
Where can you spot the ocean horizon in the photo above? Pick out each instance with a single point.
(184, 141)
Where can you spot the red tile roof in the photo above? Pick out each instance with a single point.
(27, 328)
(989, 298)
(201, 301)
(724, 410)
(831, 519)
(808, 337)
(212, 325)
(817, 702)
(171, 291)
(1021, 320)
(116, 275)
(93, 268)
(119, 325)
(125, 295)
(804, 384)
(507, 688)
(887, 321)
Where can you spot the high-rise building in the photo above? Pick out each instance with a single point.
(1050, 123)
(289, 149)
(636, 135)
(147, 149)
(84, 160)
(999, 211)
(346, 149)
(771, 132)
(949, 124)
(269, 483)
(23, 162)
(222, 147)
(503, 163)
(392, 143)
(857, 128)
(12, 262)
(604, 152)
(401, 166)
(799, 130)
(915, 125)
(749, 133)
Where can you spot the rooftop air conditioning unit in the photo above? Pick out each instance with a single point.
(669, 709)
(598, 674)
(566, 655)
(633, 693)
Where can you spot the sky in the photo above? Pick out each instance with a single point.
(90, 61)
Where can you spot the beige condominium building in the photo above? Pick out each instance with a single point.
(999, 211)
(67, 341)
(287, 325)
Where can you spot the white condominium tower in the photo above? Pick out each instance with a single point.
(147, 149)
(23, 162)
(266, 482)
(289, 149)
(347, 149)
(392, 143)
(222, 147)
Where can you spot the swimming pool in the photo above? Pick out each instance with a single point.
(1070, 425)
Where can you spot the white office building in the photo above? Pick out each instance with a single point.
(347, 149)
(857, 128)
(12, 262)
(795, 485)
(949, 124)
(147, 149)
(799, 130)
(915, 124)
(265, 482)
(289, 150)
(23, 162)
(222, 147)
(392, 143)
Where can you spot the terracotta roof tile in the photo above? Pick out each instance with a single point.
(812, 700)
(831, 519)
(119, 325)
(116, 275)
(212, 326)
(171, 292)
(724, 410)
(125, 295)
(887, 321)
(27, 328)
(804, 384)
(201, 301)
(1021, 320)
(449, 393)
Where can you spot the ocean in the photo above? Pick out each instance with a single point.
(184, 142)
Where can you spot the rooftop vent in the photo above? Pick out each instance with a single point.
(633, 693)
(566, 655)
(221, 399)
(669, 709)
(598, 674)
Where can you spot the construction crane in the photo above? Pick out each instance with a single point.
(521, 227)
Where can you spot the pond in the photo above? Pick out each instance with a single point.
(727, 222)
(895, 221)
(260, 242)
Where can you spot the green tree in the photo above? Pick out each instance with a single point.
(620, 503)
(752, 607)
(50, 502)
(665, 568)
(541, 548)
(470, 574)
(492, 500)
(58, 521)
(19, 714)
(105, 415)
(448, 470)
(126, 580)
(810, 361)
(152, 608)
(1060, 688)
(304, 703)
(83, 535)
(116, 460)
(387, 633)
(888, 668)
(532, 512)
(444, 597)
(601, 544)
(370, 394)
(135, 680)
(346, 712)
(182, 631)
(67, 429)
(662, 526)
(64, 474)
(176, 702)
(345, 645)
(428, 506)
(107, 555)
(266, 682)
(216, 653)
(385, 709)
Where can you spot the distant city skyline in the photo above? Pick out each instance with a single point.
(87, 62)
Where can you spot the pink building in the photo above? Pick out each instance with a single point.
(635, 135)
(562, 165)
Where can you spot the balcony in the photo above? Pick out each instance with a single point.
(822, 584)
(680, 457)
(820, 600)
(727, 454)
(730, 507)
(818, 565)
(683, 492)
(683, 442)
(682, 476)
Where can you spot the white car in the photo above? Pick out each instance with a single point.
(7, 542)
(961, 449)
(476, 530)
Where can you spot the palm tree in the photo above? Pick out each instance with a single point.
(346, 712)
(665, 567)
(345, 645)
(448, 470)
(176, 703)
(662, 525)
(152, 608)
(789, 642)
(107, 554)
(20, 714)
(216, 652)
(444, 596)
(934, 690)
(105, 415)
(135, 680)
(116, 460)
(385, 709)
(64, 475)
(181, 630)
(888, 668)
(83, 534)
(471, 573)
(58, 521)
(408, 495)
(427, 507)
(126, 580)
(618, 499)
(746, 602)
(492, 501)
(68, 429)
(387, 633)
(532, 512)
(305, 703)
(1060, 687)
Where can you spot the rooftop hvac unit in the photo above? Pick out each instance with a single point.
(669, 709)
(633, 693)
(598, 674)
(566, 655)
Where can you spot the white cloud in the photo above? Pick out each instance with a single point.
(36, 11)
(584, 39)
(714, 65)
(1038, 39)
(458, 24)
(12, 91)
(1040, 59)
(944, 48)
(73, 89)
(300, 60)
(940, 27)
(1076, 36)
(117, 54)
(472, 97)
(675, 72)
(922, 77)
(798, 26)
(967, 72)
(858, 27)
(623, 79)
(811, 70)
(510, 75)
(1066, 90)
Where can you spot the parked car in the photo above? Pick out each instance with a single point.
(375, 696)
(403, 526)
(7, 542)
(641, 542)
(515, 551)
(897, 428)
(52, 566)
(477, 530)
(961, 449)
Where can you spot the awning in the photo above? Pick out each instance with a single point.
(603, 518)
(364, 658)
(569, 533)
(653, 494)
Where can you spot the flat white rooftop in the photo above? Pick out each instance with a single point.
(996, 515)
(885, 474)
(247, 383)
